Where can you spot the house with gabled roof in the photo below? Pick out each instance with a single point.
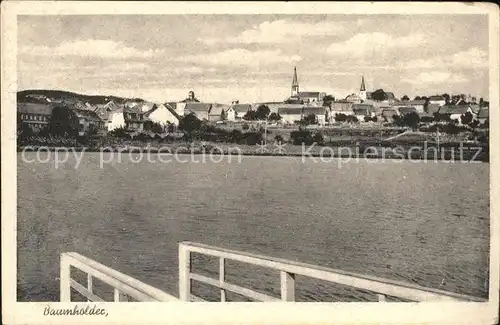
(134, 118)
(341, 107)
(406, 110)
(163, 114)
(419, 104)
(388, 114)
(216, 112)
(454, 111)
(236, 111)
(362, 110)
(291, 114)
(89, 121)
(319, 111)
(200, 110)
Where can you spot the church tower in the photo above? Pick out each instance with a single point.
(362, 89)
(295, 83)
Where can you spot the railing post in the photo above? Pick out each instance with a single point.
(119, 297)
(184, 273)
(89, 284)
(222, 275)
(64, 279)
(287, 286)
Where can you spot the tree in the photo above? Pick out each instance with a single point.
(262, 112)
(301, 137)
(190, 123)
(250, 116)
(318, 138)
(406, 98)
(446, 97)
(223, 115)
(351, 119)
(63, 122)
(417, 98)
(339, 117)
(327, 100)
(379, 95)
(466, 118)
(411, 120)
(275, 117)
(245, 126)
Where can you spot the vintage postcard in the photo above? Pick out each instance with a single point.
(257, 163)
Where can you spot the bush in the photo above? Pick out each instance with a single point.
(279, 139)
(318, 138)
(301, 137)
(252, 138)
(339, 117)
(351, 119)
(245, 126)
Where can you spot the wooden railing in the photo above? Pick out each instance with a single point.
(123, 285)
(288, 270)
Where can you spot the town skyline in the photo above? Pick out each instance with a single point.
(162, 59)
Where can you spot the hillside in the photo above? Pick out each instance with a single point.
(70, 96)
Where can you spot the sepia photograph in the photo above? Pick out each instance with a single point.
(315, 157)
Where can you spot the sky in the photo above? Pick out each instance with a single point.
(250, 58)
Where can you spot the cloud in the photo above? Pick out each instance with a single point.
(91, 48)
(370, 43)
(242, 57)
(281, 31)
(471, 58)
(435, 77)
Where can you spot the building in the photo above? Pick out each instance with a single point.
(340, 107)
(418, 104)
(454, 111)
(362, 90)
(115, 119)
(110, 113)
(388, 114)
(134, 118)
(291, 114)
(145, 106)
(273, 106)
(162, 114)
(303, 97)
(191, 98)
(439, 100)
(362, 110)
(236, 111)
(35, 115)
(320, 112)
(215, 113)
(432, 108)
(89, 122)
(200, 110)
(483, 115)
(406, 110)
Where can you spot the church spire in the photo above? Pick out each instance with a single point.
(295, 83)
(363, 88)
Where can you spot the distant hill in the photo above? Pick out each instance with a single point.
(22, 96)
